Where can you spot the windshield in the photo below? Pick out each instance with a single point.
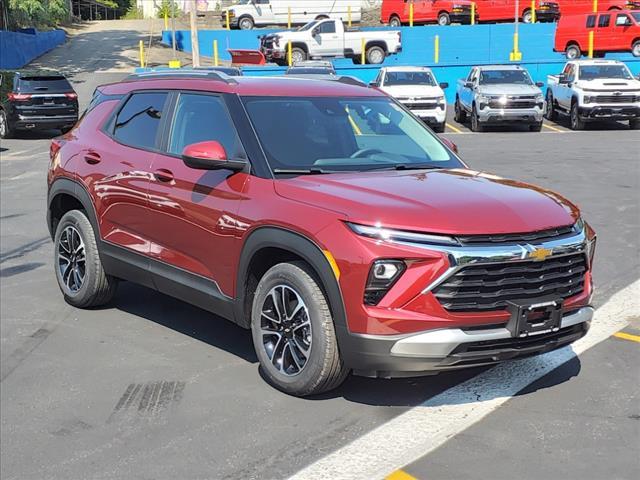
(409, 78)
(244, 2)
(496, 77)
(591, 72)
(343, 134)
(308, 26)
(636, 15)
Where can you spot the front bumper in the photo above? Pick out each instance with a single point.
(610, 112)
(453, 348)
(431, 116)
(493, 116)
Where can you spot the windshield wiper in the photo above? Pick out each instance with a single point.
(301, 171)
(408, 166)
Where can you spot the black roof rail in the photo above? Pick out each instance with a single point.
(165, 74)
(350, 81)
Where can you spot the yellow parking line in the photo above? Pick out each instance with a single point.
(553, 128)
(627, 336)
(400, 475)
(455, 129)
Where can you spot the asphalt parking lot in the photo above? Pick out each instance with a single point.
(150, 387)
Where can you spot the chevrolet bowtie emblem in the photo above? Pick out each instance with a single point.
(540, 254)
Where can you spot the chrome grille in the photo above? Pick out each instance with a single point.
(515, 104)
(486, 287)
(617, 98)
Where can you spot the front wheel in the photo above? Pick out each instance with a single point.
(459, 114)
(375, 55)
(577, 123)
(536, 127)
(439, 127)
(549, 108)
(635, 49)
(79, 271)
(246, 23)
(298, 55)
(293, 332)
(444, 18)
(476, 126)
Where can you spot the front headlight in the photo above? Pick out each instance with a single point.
(539, 98)
(401, 236)
(586, 99)
(482, 99)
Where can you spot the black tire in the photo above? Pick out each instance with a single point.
(395, 21)
(527, 16)
(577, 123)
(322, 17)
(298, 55)
(246, 23)
(323, 369)
(550, 112)
(634, 124)
(444, 19)
(536, 127)
(6, 130)
(573, 52)
(476, 126)
(375, 55)
(439, 128)
(459, 114)
(635, 48)
(97, 288)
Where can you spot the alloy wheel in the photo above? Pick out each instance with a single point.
(376, 56)
(285, 329)
(71, 259)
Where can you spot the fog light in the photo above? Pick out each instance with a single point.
(382, 276)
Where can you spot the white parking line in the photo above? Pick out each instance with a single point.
(424, 428)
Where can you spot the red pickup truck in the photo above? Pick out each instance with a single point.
(614, 31)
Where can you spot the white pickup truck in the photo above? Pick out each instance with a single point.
(330, 39)
(591, 90)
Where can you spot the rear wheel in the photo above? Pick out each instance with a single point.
(459, 114)
(444, 18)
(527, 16)
(549, 108)
(573, 51)
(246, 23)
(293, 332)
(635, 49)
(476, 126)
(577, 123)
(6, 130)
(395, 22)
(375, 55)
(79, 271)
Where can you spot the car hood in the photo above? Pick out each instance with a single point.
(417, 91)
(609, 84)
(509, 89)
(455, 201)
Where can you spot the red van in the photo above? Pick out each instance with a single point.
(575, 7)
(442, 12)
(505, 10)
(615, 31)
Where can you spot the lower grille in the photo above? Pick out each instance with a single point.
(486, 287)
(420, 106)
(512, 105)
(617, 99)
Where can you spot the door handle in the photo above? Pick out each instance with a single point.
(92, 157)
(164, 175)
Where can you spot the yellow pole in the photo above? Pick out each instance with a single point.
(141, 54)
(349, 14)
(290, 53)
(228, 20)
(436, 49)
(473, 13)
(289, 18)
(215, 53)
(411, 14)
(533, 11)
(362, 55)
(166, 20)
(595, 6)
(591, 44)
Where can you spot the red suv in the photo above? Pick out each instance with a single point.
(322, 215)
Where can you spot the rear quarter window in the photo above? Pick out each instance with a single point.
(138, 121)
(53, 83)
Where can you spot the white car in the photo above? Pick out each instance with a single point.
(589, 90)
(418, 90)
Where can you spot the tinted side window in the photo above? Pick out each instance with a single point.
(591, 21)
(604, 20)
(138, 121)
(328, 27)
(199, 118)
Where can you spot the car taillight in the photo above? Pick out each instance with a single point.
(71, 96)
(18, 97)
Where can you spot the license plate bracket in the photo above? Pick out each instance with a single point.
(530, 318)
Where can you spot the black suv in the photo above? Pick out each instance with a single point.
(36, 100)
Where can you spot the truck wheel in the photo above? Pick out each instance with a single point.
(476, 126)
(375, 55)
(536, 127)
(6, 130)
(77, 263)
(459, 114)
(577, 123)
(634, 124)
(246, 23)
(293, 332)
(439, 127)
(298, 55)
(443, 18)
(549, 108)
(395, 21)
(635, 49)
(527, 16)
(573, 52)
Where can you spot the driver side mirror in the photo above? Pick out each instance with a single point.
(539, 84)
(562, 78)
(373, 84)
(452, 146)
(210, 155)
(444, 85)
(468, 84)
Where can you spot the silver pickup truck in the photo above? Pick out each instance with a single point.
(499, 95)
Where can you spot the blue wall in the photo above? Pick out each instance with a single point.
(17, 49)
(461, 47)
